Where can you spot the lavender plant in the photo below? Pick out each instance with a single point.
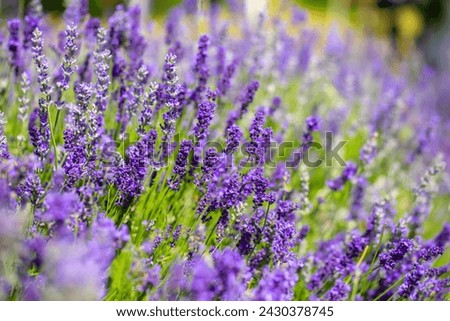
(140, 165)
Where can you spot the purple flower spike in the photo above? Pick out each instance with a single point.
(443, 237)
(248, 96)
(128, 175)
(254, 181)
(210, 163)
(149, 104)
(172, 102)
(68, 66)
(75, 136)
(298, 15)
(233, 139)
(76, 11)
(369, 150)
(276, 104)
(356, 210)
(40, 134)
(348, 172)
(338, 292)
(204, 118)
(312, 123)
(430, 252)
(412, 279)
(179, 170)
(201, 69)
(14, 45)
(42, 66)
(276, 285)
(4, 151)
(31, 22)
(224, 83)
(389, 259)
(35, 8)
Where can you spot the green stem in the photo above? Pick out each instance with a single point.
(212, 231)
(21, 8)
(265, 220)
(371, 268)
(354, 288)
(111, 203)
(361, 259)
(262, 230)
(390, 288)
(56, 118)
(52, 133)
(154, 209)
(370, 271)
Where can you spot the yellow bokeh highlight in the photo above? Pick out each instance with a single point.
(410, 22)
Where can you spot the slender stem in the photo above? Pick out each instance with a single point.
(52, 133)
(360, 260)
(265, 219)
(21, 9)
(377, 249)
(370, 271)
(390, 288)
(262, 230)
(354, 287)
(212, 231)
(159, 203)
(56, 119)
(111, 203)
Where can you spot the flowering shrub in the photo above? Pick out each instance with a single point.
(138, 164)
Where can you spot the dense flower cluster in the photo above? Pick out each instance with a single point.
(137, 165)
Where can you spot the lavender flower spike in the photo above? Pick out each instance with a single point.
(102, 58)
(4, 151)
(103, 79)
(138, 90)
(75, 139)
(76, 11)
(68, 65)
(348, 172)
(225, 82)
(14, 45)
(24, 100)
(171, 91)
(338, 292)
(389, 259)
(31, 22)
(42, 67)
(40, 136)
(149, 103)
(233, 139)
(179, 171)
(312, 125)
(369, 150)
(248, 96)
(201, 68)
(204, 118)
(35, 8)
